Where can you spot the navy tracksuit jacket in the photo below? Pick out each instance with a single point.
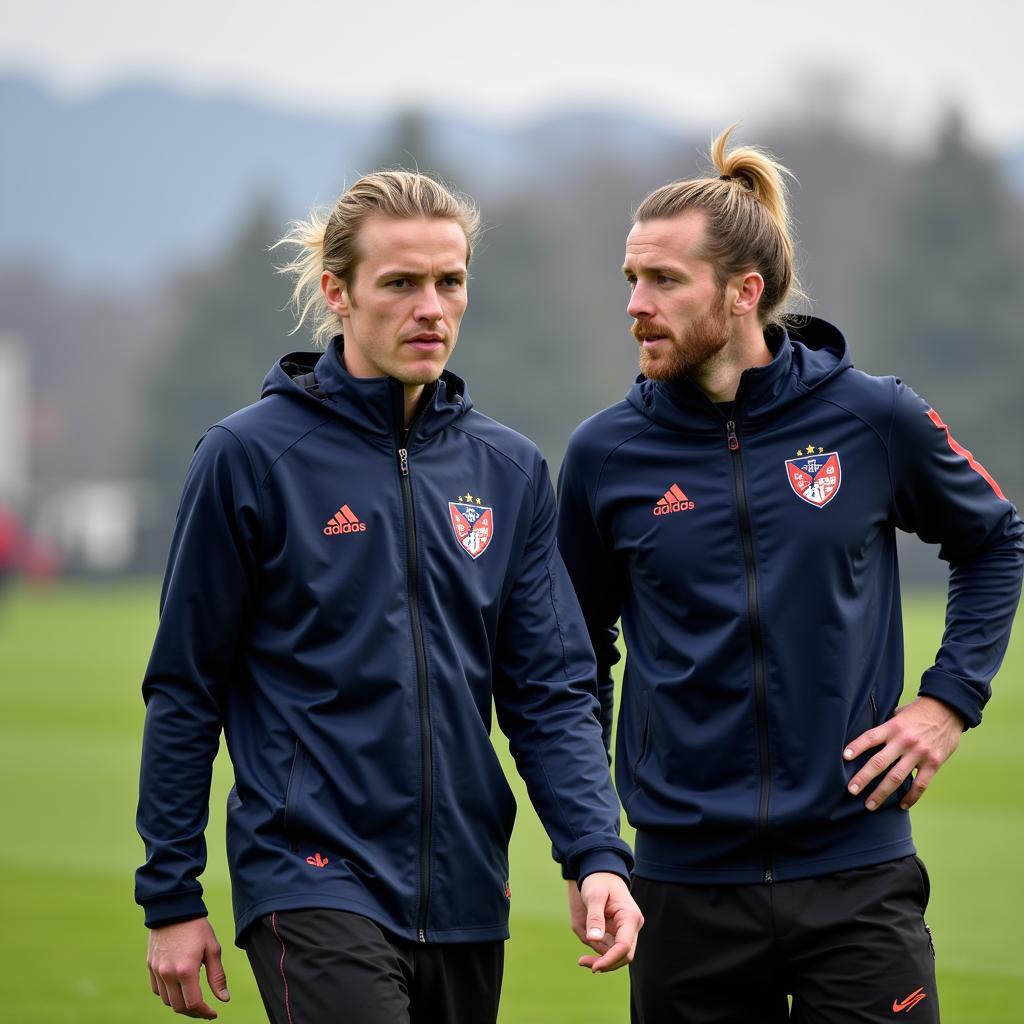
(751, 555)
(345, 601)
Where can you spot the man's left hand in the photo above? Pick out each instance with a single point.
(920, 737)
(604, 916)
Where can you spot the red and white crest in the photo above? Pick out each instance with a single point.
(815, 477)
(473, 525)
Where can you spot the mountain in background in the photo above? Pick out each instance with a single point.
(120, 187)
(136, 281)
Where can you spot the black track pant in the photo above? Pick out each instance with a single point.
(847, 947)
(332, 967)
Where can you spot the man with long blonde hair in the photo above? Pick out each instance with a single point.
(362, 562)
(738, 511)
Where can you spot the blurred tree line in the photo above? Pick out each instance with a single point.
(918, 261)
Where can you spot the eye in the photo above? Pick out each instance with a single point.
(399, 283)
(665, 279)
(631, 281)
(452, 282)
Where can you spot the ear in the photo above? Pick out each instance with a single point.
(335, 293)
(745, 292)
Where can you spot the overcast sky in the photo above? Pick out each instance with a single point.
(692, 64)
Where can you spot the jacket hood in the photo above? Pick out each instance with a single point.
(371, 405)
(804, 358)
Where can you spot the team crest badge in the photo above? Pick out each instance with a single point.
(815, 475)
(473, 523)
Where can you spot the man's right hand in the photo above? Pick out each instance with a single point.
(604, 916)
(175, 953)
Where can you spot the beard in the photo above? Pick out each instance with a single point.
(679, 355)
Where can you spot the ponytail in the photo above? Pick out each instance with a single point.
(307, 237)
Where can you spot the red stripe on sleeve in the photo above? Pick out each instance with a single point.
(961, 450)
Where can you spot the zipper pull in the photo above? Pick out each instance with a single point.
(734, 441)
(422, 936)
(403, 461)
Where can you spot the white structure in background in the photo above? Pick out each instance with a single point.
(95, 524)
(14, 413)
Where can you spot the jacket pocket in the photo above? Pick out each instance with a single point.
(864, 716)
(292, 791)
(645, 742)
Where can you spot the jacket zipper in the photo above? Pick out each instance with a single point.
(757, 643)
(874, 709)
(426, 739)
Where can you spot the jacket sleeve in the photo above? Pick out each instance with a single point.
(588, 559)
(545, 698)
(206, 593)
(945, 496)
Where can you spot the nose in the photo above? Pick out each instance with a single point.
(639, 305)
(429, 306)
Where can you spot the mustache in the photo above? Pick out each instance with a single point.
(644, 329)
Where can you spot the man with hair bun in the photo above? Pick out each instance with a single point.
(362, 563)
(738, 511)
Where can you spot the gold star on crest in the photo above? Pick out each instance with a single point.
(468, 499)
(820, 450)
(800, 452)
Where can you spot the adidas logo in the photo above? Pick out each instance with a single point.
(317, 861)
(344, 521)
(674, 501)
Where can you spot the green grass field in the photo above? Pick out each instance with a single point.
(73, 943)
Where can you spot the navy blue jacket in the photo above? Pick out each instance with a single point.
(345, 602)
(752, 558)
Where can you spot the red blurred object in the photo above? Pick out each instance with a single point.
(34, 558)
(10, 536)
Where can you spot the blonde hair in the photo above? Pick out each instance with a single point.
(329, 241)
(748, 220)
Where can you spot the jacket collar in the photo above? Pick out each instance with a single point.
(804, 357)
(371, 405)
